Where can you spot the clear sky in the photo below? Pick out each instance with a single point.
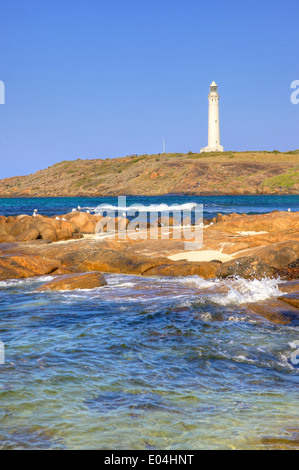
(108, 78)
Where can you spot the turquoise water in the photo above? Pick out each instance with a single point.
(142, 363)
(146, 364)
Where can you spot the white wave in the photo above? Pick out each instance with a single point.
(236, 291)
(141, 208)
(238, 319)
(27, 280)
(199, 282)
(125, 284)
(243, 291)
(206, 316)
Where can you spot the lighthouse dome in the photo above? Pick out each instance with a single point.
(213, 84)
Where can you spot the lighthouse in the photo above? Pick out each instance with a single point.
(214, 127)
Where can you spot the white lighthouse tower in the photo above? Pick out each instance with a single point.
(214, 128)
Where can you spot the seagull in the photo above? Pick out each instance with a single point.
(88, 212)
(34, 214)
(35, 210)
(57, 218)
(289, 210)
(74, 210)
(79, 208)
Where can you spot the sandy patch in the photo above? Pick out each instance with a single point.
(203, 255)
(72, 240)
(89, 235)
(249, 234)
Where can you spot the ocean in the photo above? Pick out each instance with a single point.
(212, 204)
(147, 363)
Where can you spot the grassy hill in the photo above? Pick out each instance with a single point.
(209, 173)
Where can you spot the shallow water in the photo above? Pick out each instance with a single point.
(145, 364)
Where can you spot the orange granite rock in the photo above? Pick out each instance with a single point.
(75, 281)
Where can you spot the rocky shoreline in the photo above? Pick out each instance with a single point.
(255, 246)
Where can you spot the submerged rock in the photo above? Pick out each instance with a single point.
(292, 299)
(274, 311)
(289, 287)
(75, 281)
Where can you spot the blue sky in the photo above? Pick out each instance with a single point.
(98, 79)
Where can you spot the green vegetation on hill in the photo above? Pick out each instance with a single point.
(286, 180)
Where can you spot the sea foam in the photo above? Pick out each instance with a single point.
(142, 208)
(243, 291)
(235, 291)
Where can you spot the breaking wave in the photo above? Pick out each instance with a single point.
(243, 291)
(236, 291)
(141, 208)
